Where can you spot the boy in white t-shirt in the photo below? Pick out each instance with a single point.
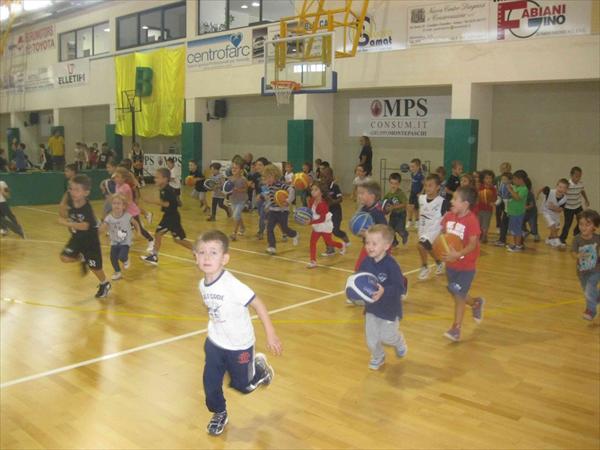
(229, 346)
(175, 179)
(554, 201)
(8, 221)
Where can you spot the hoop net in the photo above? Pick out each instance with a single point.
(283, 90)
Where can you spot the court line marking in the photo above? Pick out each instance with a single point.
(180, 258)
(55, 213)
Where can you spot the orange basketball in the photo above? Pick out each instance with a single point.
(487, 196)
(301, 181)
(281, 197)
(443, 243)
(190, 181)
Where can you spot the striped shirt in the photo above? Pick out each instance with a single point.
(574, 195)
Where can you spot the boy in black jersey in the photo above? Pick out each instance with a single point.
(171, 220)
(84, 245)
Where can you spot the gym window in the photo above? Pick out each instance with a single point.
(84, 42)
(154, 25)
(221, 15)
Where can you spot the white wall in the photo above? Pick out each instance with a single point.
(546, 129)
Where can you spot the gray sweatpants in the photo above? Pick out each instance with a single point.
(380, 332)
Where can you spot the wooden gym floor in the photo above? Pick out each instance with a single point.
(126, 372)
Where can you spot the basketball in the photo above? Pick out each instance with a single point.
(190, 181)
(228, 187)
(487, 196)
(361, 221)
(361, 286)
(385, 205)
(301, 181)
(281, 197)
(303, 215)
(443, 243)
(404, 168)
(210, 183)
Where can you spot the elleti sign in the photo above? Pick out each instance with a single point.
(402, 117)
(75, 73)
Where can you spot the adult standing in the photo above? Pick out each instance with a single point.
(576, 200)
(366, 155)
(56, 144)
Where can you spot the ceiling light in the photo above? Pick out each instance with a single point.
(244, 6)
(145, 27)
(32, 5)
(4, 12)
(107, 30)
(255, 4)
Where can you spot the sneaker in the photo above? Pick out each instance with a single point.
(514, 248)
(402, 351)
(439, 268)
(151, 259)
(271, 250)
(116, 276)
(283, 238)
(263, 367)
(311, 265)
(549, 241)
(233, 237)
(149, 217)
(477, 309)
(210, 219)
(295, 239)
(103, 289)
(343, 249)
(588, 315)
(375, 364)
(84, 268)
(3, 231)
(126, 265)
(424, 273)
(536, 238)
(217, 423)
(328, 253)
(150, 247)
(241, 232)
(554, 242)
(260, 236)
(453, 334)
(562, 245)
(500, 244)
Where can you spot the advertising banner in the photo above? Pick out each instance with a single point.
(38, 40)
(448, 22)
(74, 73)
(224, 50)
(154, 161)
(403, 117)
(383, 28)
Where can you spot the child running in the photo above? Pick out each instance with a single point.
(432, 207)
(322, 225)
(416, 187)
(586, 248)
(218, 197)
(8, 221)
(554, 200)
(460, 265)
(84, 245)
(396, 204)
(238, 197)
(516, 209)
(119, 223)
(368, 195)
(199, 190)
(277, 214)
(335, 197)
(171, 220)
(229, 346)
(382, 317)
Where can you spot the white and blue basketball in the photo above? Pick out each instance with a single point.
(361, 221)
(228, 187)
(303, 215)
(404, 168)
(361, 286)
(385, 204)
(210, 183)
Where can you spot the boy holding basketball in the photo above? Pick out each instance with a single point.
(368, 194)
(382, 316)
(170, 221)
(432, 207)
(461, 264)
(586, 248)
(277, 213)
(84, 245)
(229, 346)
(396, 204)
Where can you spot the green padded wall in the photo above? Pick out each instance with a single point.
(43, 188)
(191, 145)
(300, 142)
(11, 133)
(461, 138)
(114, 140)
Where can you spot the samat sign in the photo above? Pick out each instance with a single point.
(231, 49)
(524, 19)
(404, 117)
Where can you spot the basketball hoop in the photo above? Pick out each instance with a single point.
(283, 90)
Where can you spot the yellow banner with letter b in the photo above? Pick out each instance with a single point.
(162, 112)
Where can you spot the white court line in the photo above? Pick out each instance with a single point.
(55, 213)
(191, 261)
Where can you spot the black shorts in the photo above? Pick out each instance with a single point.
(413, 199)
(171, 224)
(90, 251)
(425, 244)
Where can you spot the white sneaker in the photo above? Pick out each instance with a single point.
(150, 247)
(3, 232)
(424, 273)
(343, 249)
(295, 239)
(148, 217)
(116, 276)
(271, 250)
(126, 265)
(311, 265)
(555, 242)
(549, 241)
(439, 268)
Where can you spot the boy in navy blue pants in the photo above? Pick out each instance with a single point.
(229, 346)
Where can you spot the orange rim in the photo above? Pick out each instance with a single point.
(286, 84)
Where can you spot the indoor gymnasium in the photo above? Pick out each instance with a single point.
(299, 224)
